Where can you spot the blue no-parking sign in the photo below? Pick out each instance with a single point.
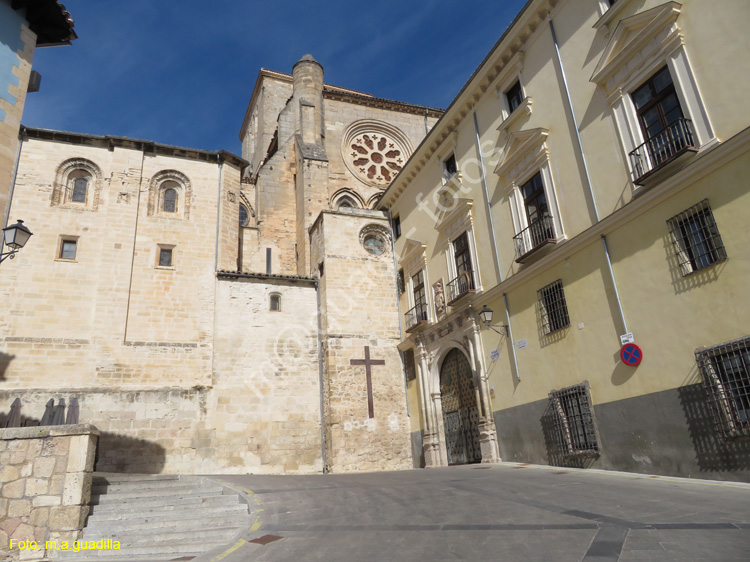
(631, 355)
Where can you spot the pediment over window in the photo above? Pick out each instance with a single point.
(635, 38)
(524, 151)
(413, 253)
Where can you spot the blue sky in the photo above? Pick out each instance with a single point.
(181, 71)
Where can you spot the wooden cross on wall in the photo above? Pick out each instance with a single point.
(367, 362)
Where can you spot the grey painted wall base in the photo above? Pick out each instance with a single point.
(668, 433)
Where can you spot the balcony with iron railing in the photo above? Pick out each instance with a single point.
(533, 238)
(416, 316)
(674, 141)
(461, 286)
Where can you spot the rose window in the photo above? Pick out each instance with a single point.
(376, 157)
(375, 151)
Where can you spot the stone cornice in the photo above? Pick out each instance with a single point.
(110, 142)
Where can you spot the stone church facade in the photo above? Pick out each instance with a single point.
(218, 314)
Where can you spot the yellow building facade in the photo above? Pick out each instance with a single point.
(588, 186)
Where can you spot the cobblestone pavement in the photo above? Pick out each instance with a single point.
(492, 512)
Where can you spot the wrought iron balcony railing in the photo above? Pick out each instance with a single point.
(460, 286)
(415, 316)
(532, 238)
(674, 140)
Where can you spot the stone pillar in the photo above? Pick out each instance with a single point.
(431, 438)
(487, 431)
(45, 487)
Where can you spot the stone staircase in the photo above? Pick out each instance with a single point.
(160, 517)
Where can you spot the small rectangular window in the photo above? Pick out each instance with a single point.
(725, 370)
(450, 166)
(574, 422)
(165, 257)
(410, 369)
(68, 249)
(553, 308)
(696, 239)
(401, 282)
(514, 96)
(396, 227)
(275, 303)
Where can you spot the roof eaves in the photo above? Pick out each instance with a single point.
(449, 110)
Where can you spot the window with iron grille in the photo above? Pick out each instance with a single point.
(696, 238)
(725, 370)
(410, 368)
(575, 425)
(401, 282)
(553, 308)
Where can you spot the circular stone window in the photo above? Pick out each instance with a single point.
(375, 151)
(374, 239)
(374, 244)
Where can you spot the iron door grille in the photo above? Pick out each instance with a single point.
(725, 370)
(575, 425)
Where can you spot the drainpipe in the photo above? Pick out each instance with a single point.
(614, 284)
(398, 304)
(135, 242)
(15, 174)
(320, 379)
(573, 116)
(510, 335)
(487, 200)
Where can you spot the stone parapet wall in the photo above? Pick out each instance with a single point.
(45, 486)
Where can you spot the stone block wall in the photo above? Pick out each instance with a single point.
(358, 309)
(45, 485)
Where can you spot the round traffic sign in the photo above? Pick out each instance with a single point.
(631, 355)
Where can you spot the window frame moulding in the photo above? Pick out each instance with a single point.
(638, 47)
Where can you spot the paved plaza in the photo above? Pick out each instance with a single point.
(492, 512)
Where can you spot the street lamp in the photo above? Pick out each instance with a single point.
(486, 316)
(15, 237)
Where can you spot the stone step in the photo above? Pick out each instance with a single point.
(116, 477)
(183, 490)
(169, 512)
(107, 487)
(159, 536)
(184, 501)
(120, 527)
(160, 518)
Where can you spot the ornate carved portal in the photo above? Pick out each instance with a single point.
(460, 412)
(457, 412)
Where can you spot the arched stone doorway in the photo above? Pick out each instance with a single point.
(460, 413)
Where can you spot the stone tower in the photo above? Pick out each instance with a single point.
(364, 414)
(311, 161)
